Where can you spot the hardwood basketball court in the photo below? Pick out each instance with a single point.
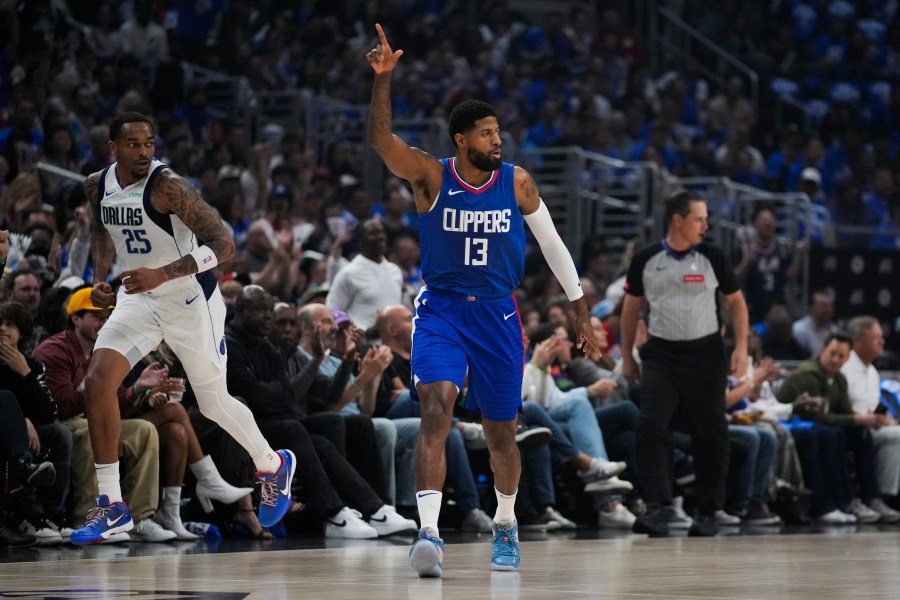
(834, 563)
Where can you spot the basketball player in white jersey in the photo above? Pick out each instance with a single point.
(167, 238)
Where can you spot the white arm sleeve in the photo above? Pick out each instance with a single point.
(555, 251)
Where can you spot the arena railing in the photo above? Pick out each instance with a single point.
(672, 41)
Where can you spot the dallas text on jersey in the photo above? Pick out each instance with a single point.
(121, 215)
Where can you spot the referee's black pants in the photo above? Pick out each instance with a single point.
(691, 373)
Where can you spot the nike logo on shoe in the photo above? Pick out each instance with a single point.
(506, 317)
(192, 299)
(381, 520)
(454, 192)
(341, 524)
(287, 489)
(111, 522)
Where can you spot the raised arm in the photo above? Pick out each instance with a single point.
(412, 164)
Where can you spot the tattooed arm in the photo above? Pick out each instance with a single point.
(103, 250)
(415, 165)
(173, 194)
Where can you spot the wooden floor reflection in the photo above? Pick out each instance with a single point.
(837, 564)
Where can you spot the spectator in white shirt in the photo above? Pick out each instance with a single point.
(369, 282)
(864, 389)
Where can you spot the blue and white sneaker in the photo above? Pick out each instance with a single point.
(426, 556)
(506, 555)
(275, 496)
(103, 522)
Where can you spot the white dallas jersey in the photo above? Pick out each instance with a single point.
(143, 236)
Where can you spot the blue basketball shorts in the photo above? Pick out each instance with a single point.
(454, 335)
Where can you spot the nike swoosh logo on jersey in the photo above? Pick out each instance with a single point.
(505, 317)
(455, 192)
(110, 193)
(110, 523)
(192, 299)
(662, 268)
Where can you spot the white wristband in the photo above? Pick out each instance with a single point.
(555, 251)
(205, 258)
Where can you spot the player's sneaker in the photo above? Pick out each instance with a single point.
(104, 520)
(426, 556)
(275, 496)
(506, 555)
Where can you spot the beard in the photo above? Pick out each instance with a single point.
(483, 161)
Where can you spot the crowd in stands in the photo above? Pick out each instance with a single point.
(321, 287)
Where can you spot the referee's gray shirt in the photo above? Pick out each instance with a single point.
(681, 289)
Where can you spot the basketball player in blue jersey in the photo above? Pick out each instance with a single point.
(471, 212)
(168, 239)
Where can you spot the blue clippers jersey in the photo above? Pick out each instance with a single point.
(473, 239)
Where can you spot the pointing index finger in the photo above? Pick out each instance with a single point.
(382, 39)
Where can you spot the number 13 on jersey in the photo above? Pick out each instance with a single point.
(476, 251)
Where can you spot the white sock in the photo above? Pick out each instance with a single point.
(268, 462)
(506, 508)
(108, 481)
(429, 503)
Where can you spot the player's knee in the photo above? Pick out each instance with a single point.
(98, 385)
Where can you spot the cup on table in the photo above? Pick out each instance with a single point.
(175, 395)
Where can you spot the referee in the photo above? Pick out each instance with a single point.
(684, 360)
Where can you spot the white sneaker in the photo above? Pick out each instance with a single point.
(41, 529)
(618, 518)
(476, 520)
(609, 487)
(473, 435)
(148, 530)
(836, 517)
(601, 469)
(888, 514)
(724, 518)
(387, 521)
(557, 517)
(65, 532)
(676, 517)
(863, 513)
(348, 524)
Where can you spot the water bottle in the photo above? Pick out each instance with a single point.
(207, 531)
(765, 392)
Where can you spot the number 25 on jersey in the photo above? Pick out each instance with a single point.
(136, 241)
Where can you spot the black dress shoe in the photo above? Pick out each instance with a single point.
(704, 526)
(10, 537)
(30, 474)
(653, 522)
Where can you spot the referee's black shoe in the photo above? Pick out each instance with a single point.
(655, 522)
(704, 526)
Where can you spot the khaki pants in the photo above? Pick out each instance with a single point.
(138, 466)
